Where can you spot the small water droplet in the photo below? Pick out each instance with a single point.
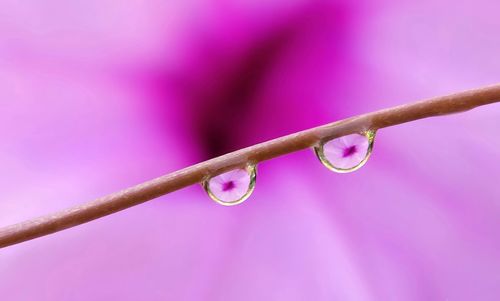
(232, 187)
(347, 153)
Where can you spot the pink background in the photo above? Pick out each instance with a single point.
(99, 95)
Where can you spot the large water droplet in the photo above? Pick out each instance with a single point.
(347, 153)
(232, 187)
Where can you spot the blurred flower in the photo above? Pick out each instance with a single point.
(100, 95)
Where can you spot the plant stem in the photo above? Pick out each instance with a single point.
(257, 153)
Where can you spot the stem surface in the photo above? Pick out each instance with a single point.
(146, 191)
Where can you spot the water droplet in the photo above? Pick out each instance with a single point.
(232, 187)
(347, 153)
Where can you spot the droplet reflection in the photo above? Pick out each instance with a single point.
(347, 153)
(232, 187)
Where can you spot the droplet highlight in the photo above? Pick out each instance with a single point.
(232, 187)
(347, 153)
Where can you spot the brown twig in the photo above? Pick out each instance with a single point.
(260, 152)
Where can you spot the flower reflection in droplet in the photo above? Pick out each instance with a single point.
(346, 153)
(232, 187)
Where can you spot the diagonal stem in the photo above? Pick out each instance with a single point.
(146, 191)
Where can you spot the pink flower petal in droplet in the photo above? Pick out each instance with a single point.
(231, 186)
(346, 152)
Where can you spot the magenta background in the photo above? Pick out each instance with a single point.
(99, 95)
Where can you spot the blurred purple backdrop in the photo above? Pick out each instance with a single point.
(96, 96)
